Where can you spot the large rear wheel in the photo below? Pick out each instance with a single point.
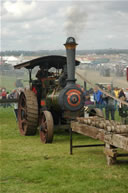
(46, 127)
(28, 113)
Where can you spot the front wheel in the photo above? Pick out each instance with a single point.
(46, 127)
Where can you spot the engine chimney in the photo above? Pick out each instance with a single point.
(71, 97)
(70, 46)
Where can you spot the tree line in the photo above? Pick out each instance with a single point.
(61, 52)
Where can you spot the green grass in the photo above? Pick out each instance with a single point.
(9, 82)
(28, 166)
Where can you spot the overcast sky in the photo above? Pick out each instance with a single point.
(41, 25)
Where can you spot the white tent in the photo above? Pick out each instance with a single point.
(12, 60)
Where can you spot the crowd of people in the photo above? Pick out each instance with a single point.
(96, 98)
(103, 101)
(4, 94)
(14, 94)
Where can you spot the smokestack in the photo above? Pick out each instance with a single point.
(70, 46)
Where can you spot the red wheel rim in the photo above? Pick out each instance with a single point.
(43, 128)
(46, 127)
(22, 115)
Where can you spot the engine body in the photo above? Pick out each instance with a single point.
(53, 97)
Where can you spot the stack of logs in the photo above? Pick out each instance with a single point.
(108, 125)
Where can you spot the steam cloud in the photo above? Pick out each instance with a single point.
(76, 20)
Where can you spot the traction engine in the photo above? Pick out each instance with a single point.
(53, 98)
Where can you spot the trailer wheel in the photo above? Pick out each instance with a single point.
(28, 113)
(46, 127)
(96, 112)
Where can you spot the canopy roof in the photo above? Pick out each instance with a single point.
(45, 62)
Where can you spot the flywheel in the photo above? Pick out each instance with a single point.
(46, 127)
(28, 113)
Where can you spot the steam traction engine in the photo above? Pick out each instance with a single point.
(53, 98)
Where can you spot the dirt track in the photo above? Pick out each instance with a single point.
(94, 77)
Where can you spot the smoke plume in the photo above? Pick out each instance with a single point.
(76, 19)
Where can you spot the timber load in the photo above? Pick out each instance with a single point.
(101, 123)
(112, 133)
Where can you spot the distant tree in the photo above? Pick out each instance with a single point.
(61, 52)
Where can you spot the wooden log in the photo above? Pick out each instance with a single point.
(117, 140)
(84, 118)
(88, 130)
(101, 125)
(93, 123)
(96, 133)
(85, 121)
(108, 125)
(109, 128)
(113, 128)
(89, 122)
(120, 129)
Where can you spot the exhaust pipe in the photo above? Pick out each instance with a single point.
(71, 97)
(70, 46)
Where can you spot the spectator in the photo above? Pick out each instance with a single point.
(3, 93)
(116, 92)
(123, 111)
(4, 96)
(110, 104)
(16, 96)
(7, 96)
(88, 101)
(98, 98)
(122, 94)
(126, 94)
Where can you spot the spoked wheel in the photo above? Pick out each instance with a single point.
(28, 113)
(46, 127)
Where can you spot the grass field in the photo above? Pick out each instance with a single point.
(28, 166)
(9, 82)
